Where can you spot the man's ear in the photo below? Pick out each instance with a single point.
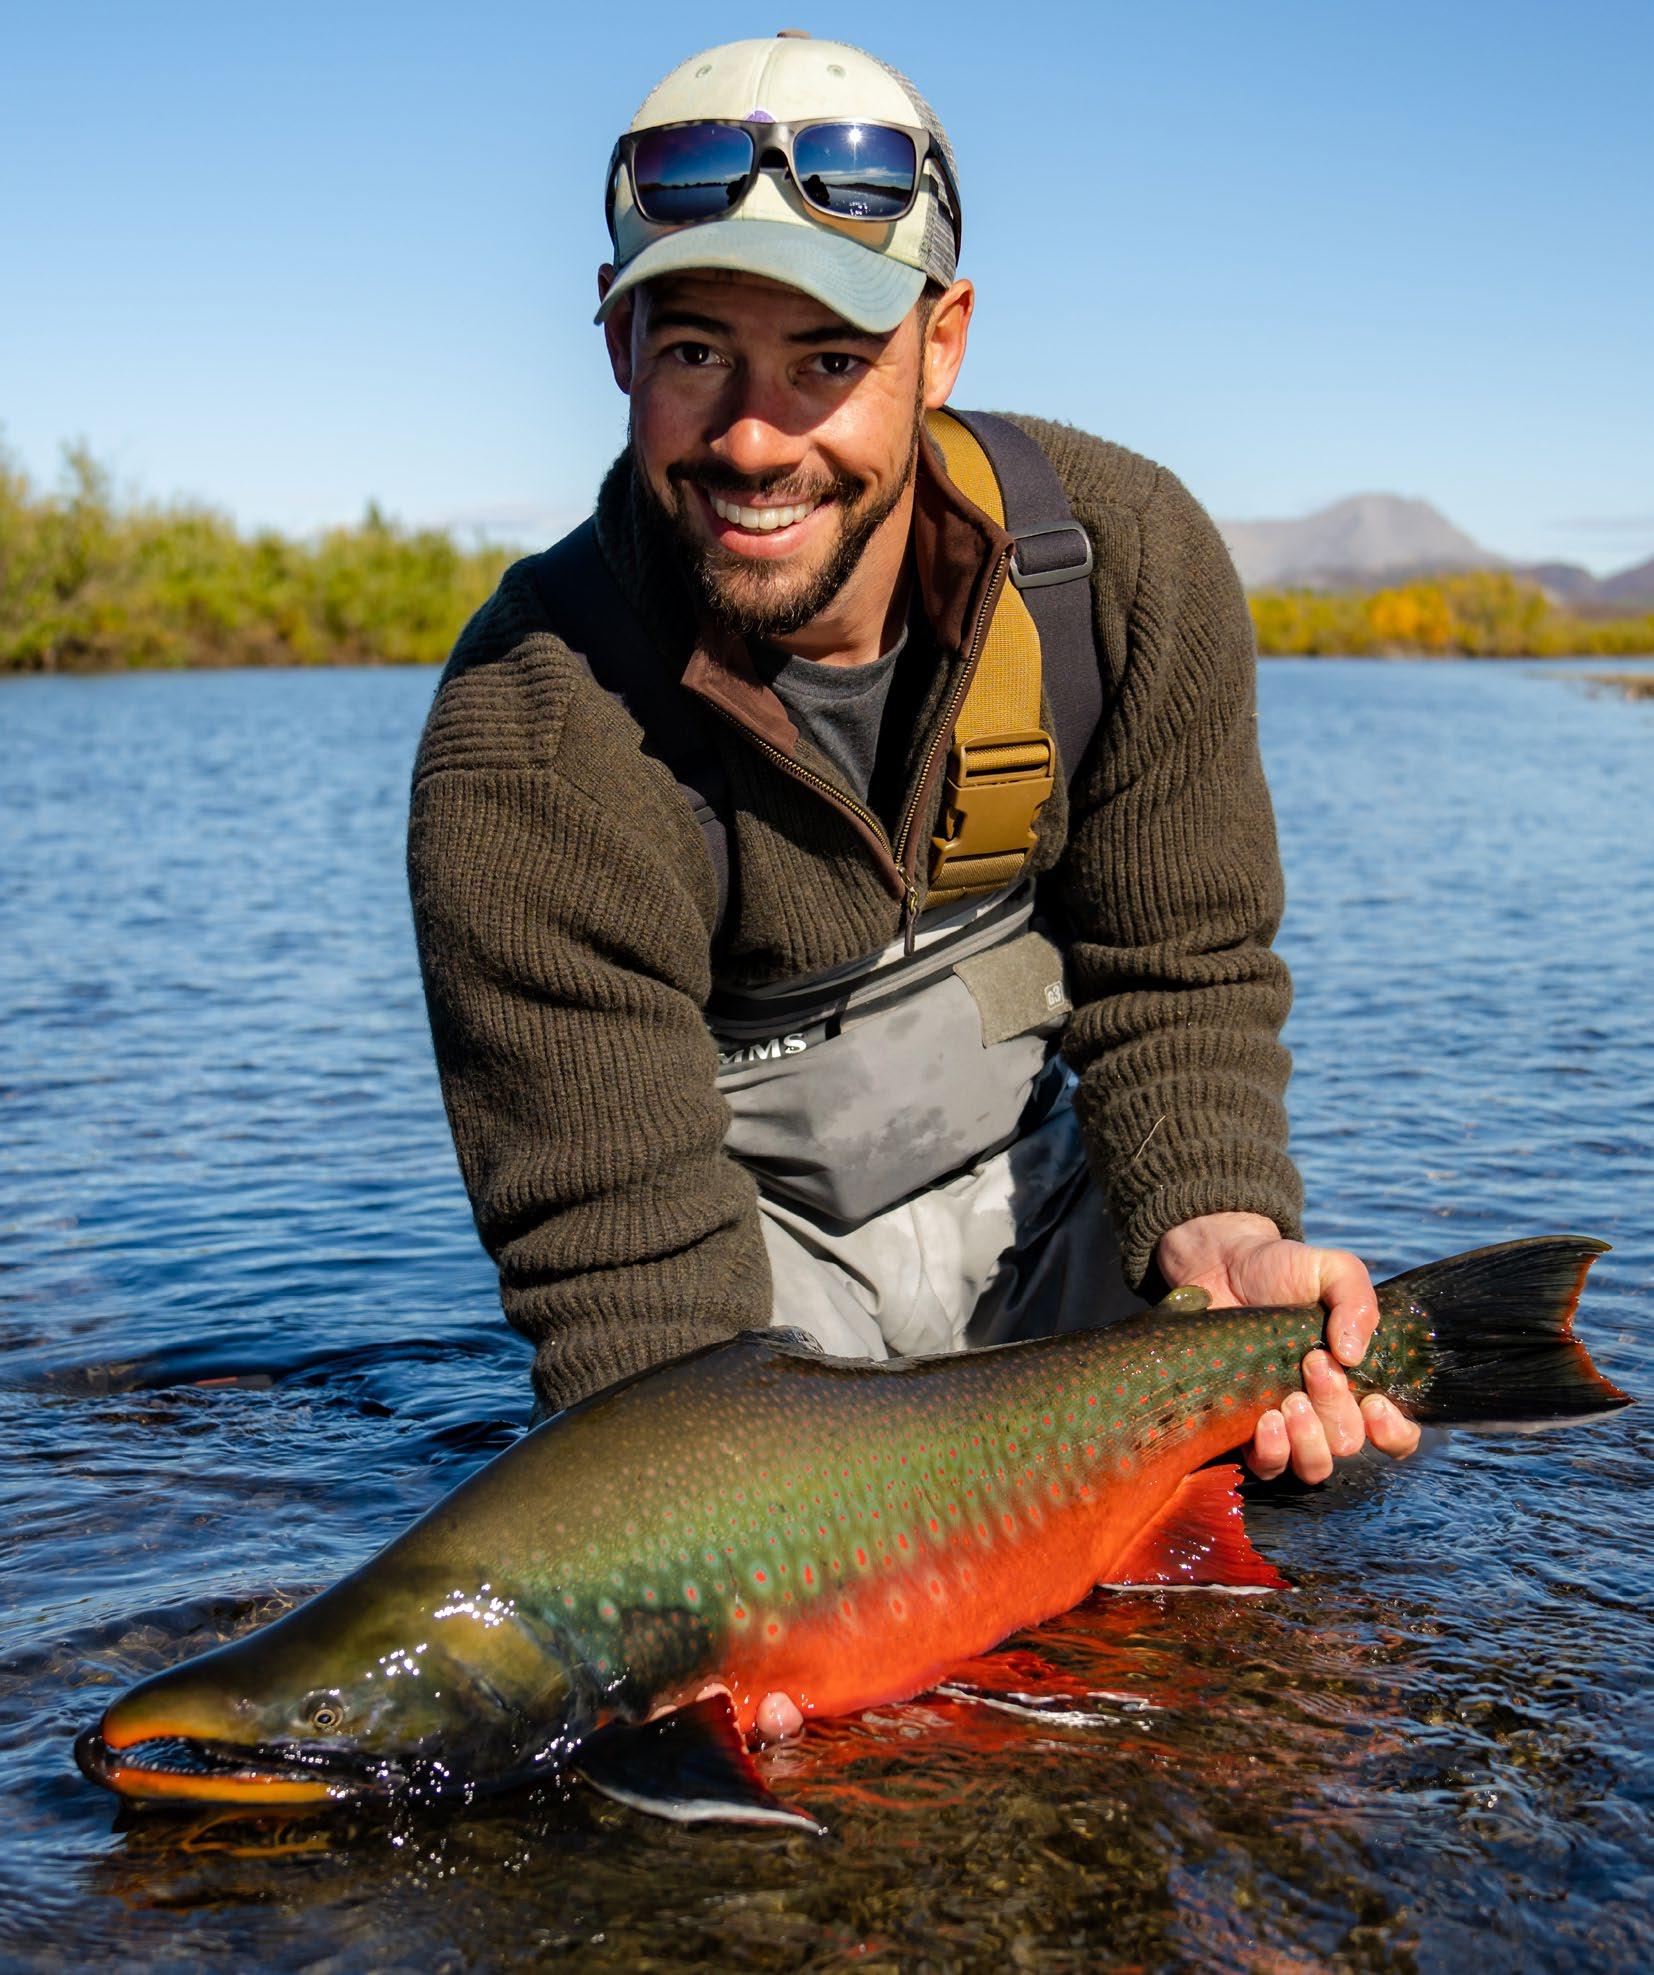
(945, 338)
(617, 330)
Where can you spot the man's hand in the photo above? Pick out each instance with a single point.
(1241, 1259)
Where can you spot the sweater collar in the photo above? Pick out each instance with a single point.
(956, 552)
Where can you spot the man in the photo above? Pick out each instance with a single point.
(679, 1116)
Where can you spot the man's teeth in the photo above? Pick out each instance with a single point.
(764, 518)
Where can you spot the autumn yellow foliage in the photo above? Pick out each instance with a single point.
(1482, 614)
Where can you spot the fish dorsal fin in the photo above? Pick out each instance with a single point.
(690, 1765)
(1199, 1537)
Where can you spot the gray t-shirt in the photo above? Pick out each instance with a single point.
(837, 708)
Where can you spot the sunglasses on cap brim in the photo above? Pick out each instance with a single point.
(683, 173)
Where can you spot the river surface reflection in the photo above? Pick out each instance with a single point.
(246, 1333)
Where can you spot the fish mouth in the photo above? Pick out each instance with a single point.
(191, 1769)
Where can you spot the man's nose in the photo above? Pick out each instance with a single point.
(756, 438)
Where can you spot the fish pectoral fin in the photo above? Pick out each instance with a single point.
(1199, 1537)
(690, 1765)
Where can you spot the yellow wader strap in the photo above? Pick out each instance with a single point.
(1002, 763)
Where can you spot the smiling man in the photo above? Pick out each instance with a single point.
(780, 970)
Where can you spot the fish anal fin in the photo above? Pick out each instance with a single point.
(1199, 1537)
(690, 1766)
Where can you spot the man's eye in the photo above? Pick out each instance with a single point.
(838, 363)
(696, 355)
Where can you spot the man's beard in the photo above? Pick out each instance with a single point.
(764, 599)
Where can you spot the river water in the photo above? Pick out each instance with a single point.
(246, 1333)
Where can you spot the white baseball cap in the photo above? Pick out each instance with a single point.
(867, 271)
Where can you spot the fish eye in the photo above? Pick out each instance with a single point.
(325, 1712)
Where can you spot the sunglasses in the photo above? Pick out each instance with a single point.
(685, 172)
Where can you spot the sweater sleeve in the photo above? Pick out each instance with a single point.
(1171, 884)
(562, 901)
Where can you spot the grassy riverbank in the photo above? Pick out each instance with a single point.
(92, 583)
(1481, 614)
(1629, 685)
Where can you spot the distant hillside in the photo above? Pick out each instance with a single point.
(1366, 534)
(1628, 590)
(1376, 541)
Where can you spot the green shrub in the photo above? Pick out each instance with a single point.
(89, 583)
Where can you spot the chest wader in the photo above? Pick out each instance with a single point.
(860, 1088)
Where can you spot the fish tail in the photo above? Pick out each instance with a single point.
(1486, 1338)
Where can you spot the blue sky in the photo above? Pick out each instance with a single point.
(285, 259)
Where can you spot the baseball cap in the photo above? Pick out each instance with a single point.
(869, 273)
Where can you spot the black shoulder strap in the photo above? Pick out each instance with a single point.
(1051, 561)
(593, 616)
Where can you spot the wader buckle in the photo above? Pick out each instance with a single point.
(996, 788)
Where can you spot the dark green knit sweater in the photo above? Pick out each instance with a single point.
(564, 904)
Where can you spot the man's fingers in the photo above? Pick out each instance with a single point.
(778, 1718)
(1352, 1307)
(1388, 1428)
(1311, 1456)
(1270, 1450)
(1334, 1403)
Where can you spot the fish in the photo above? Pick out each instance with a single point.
(613, 1596)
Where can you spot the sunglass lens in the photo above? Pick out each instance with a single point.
(689, 173)
(855, 170)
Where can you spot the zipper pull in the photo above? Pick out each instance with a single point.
(910, 917)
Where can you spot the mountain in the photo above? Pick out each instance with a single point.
(1628, 589)
(1372, 540)
(1366, 535)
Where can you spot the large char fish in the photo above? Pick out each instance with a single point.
(755, 1518)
